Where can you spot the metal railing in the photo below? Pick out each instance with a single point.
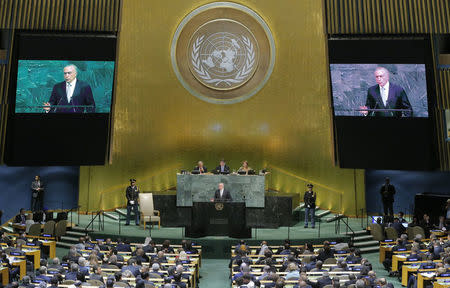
(101, 221)
(337, 227)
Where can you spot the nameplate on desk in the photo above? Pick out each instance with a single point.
(218, 221)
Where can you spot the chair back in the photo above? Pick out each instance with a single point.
(60, 228)
(330, 261)
(410, 232)
(146, 204)
(391, 233)
(377, 232)
(49, 227)
(95, 282)
(35, 230)
(418, 230)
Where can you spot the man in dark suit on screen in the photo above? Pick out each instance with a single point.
(73, 95)
(386, 95)
(222, 195)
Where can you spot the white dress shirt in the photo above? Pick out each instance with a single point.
(384, 91)
(70, 87)
(221, 193)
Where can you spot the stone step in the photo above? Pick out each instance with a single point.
(358, 232)
(69, 239)
(111, 215)
(81, 229)
(363, 238)
(367, 243)
(334, 218)
(323, 213)
(122, 212)
(75, 233)
(370, 249)
(64, 244)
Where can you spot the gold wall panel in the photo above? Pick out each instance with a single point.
(160, 128)
(387, 16)
(73, 15)
(443, 103)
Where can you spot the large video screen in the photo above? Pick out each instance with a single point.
(382, 95)
(61, 98)
(61, 86)
(379, 90)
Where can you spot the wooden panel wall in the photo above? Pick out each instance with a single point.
(387, 16)
(66, 15)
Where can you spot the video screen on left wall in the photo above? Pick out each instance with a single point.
(64, 86)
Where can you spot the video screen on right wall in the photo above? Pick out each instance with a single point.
(379, 90)
(382, 94)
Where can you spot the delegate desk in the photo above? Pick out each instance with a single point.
(218, 219)
(248, 189)
(4, 275)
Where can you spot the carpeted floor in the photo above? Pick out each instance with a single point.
(381, 272)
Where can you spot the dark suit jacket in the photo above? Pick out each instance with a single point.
(205, 170)
(19, 219)
(323, 281)
(226, 196)
(34, 186)
(225, 168)
(397, 99)
(82, 95)
(387, 193)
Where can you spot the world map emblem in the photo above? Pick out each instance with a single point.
(224, 59)
(223, 52)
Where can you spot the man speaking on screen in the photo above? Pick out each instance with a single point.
(72, 95)
(387, 97)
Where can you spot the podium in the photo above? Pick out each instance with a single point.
(218, 219)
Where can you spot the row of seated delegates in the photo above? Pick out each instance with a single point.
(31, 218)
(223, 168)
(12, 248)
(436, 249)
(437, 256)
(77, 268)
(295, 268)
(400, 224)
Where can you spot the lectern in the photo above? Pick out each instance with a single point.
(218, 219)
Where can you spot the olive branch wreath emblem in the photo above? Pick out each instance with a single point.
(206, 77)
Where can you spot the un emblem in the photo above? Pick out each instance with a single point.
(225, 59)
(219, 206)
(223, 52)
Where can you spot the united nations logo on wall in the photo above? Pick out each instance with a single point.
(223, 52)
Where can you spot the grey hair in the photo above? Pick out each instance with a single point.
(73, 66)
(382, 69)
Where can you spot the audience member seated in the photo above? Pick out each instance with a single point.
(293, 273)
(21, 217)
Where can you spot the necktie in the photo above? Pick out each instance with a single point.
(221, 193)
(385, 96)
(68, 91)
